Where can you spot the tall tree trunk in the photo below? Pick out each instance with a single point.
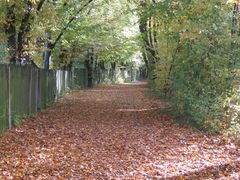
(89, 65)
(113, 72)
(24, 28)
(10, 30)
(149, 39)
(46, 58)
(147, 43)
(155, 25)
(145, 61)
(48, 51)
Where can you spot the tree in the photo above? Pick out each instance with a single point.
(195, 58)
(99, 38)
(18, 24)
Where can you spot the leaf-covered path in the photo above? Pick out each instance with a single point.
(113, 132)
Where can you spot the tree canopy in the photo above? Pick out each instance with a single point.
(36, 26)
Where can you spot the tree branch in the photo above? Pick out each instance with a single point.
(40, 5)
(68, 24)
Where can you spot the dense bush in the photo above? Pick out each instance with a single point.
(196, 58)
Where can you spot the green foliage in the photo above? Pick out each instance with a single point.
(195, 58)
(101, 24)
(232, 117)
(103, 28)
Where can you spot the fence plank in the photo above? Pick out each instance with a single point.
(3, 97)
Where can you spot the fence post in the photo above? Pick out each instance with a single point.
(57, 89)
(72, 78)
(86, 78)
(47, 88)
(9, 113)
(64, 81)
(38, 90)
(30, 92)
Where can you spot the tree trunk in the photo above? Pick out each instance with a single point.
(46, 58)
(10, 30)
(113, 72)
(47, 53)
(24, 29)
(149, 39)
(89, 66)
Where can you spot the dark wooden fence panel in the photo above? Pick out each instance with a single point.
(19, 92)
(25, 90)
(80, 78)
(3, 97)
(33, 91)
(51, 87)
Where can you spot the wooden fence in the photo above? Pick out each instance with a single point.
(25, 90)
